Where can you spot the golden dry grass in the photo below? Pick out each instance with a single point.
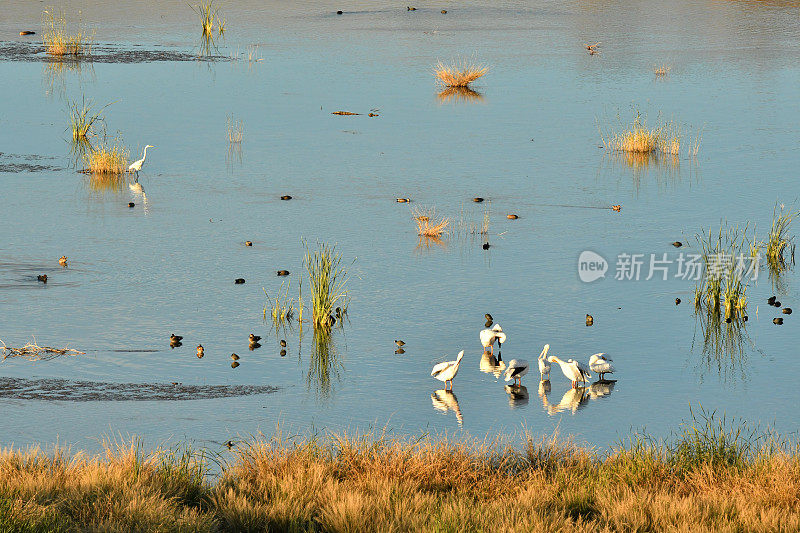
(61, 41)
(661, 70)
(235, 130)
(428, 223)
(459, 73)
(459, 94)
(364, 483)
(108, 158)
(638, 138)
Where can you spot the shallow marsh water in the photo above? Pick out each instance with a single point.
(530, 147)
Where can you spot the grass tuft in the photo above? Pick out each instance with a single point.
(428, 223)
(108, 158)
(59, 40)
(235, 129)
(779, 241)
(458, 73)
(637, 138)
(83, 118)
(328, 281)
(208, 14)
(282, 308)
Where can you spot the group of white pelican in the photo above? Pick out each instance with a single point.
(575, 371)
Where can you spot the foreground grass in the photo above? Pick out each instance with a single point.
(711, 479)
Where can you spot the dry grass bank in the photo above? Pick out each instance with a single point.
(703, 482)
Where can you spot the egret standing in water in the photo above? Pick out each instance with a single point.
(447, 371)
(136, 166)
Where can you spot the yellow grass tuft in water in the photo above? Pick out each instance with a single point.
(458, 74)
(661, 70)
(59, 41)
(107, 158)
(459, 94)
(428, 223)
(638, 138)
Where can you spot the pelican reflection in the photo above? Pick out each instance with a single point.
(574, 399)
(445, 400)
(491, 365)
(517, 395)
(601, 389)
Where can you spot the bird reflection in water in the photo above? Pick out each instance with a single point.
(491, 365)
(601, 389)
(517, 395)
(573, 400)
(445, 400)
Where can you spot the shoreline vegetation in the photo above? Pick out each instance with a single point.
(714, 474)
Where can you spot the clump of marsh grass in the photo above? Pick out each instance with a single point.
(428, 223)
(83, 118)
(458, 73)
(328, 281)
(107, 158)
(59, 40)
(209, 15)
(235, 130)
(637, 138)
(779, 245)
(661, 70)
(280, 309)
(33, 352)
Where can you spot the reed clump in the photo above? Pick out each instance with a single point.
(61, 41)
(235, 130)
(661, 70)
(458, 73)
(779, 245)
(107, 158)
(281, 309)
(209, 16)
(637, 138)
(328, 282)
(83, 119)
(429, 224)
(714, 475)
(726, 260)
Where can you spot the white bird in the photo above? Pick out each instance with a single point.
(488, 336)
(544, 363)
(447, 371)
(516, 369)
(574, 370)
(601, 364)
(136, 166)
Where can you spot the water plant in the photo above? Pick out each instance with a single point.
(280, 309)
(779, 242)
(208, 14)
(459, 73)
(428, 223)
(59, 41)
(661, 70)
(83, 118)
(328, 280)
(107, 158)
(637, 138)
(235, 130)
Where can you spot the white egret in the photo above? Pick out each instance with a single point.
(516, 369)
(136, 166)
(488, 336)
(447, 371)
(574, 370)
(544, 363)
(601, 364)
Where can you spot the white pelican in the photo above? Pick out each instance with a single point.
(516, 369)
(445, 400)
(544, 363)
(574, 370)
(447, 371)
(488, 336)
(136, 166)
(601, 364)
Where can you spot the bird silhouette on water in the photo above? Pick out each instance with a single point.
(200, 351)
(254, 338)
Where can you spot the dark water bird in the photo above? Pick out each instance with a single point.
(399, 344)
(248, 243)
(338, 12)
(253, 346)
(62, 260)
(200, 351)
(230, 444)
(777, 321)
(403, 200)
(677, 244)
(131, 204)
(477, 199)
(42, 278)
(27, 32)
(338, 312)
(409, 8)
(589, 320)
(728, 320)
(175, 340)
(786, 310)
(512, 217)
(771, 300)
(677, 301)
(745, 318)
(283, 353)
(777, 303)
(254, 338)
(234, 364)
(444, 11)
(286, 197)
(234, 357)
(486, 246)
(238, 281)
(400, 351)
(616, 208)
(488, 317)
(283, 343)
(488, 324)
(283, 272)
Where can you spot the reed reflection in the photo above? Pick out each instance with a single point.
(460, 95)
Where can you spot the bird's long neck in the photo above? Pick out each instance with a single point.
(144, 155)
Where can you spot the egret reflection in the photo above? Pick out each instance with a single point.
(444, 401)
(517, 395)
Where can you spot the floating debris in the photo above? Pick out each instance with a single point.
(33, 352)
(344, 113)
(238, 281)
